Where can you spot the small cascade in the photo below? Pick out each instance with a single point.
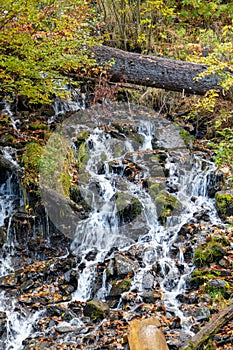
(19, 324)
(8, 111)
(76, 102)
(183, 176)
(137, 187)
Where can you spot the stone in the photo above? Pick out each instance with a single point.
(3, 323)
(128, 207)
(124, 265)
(151, 297)
(120, 286)
(96, 309)
(146, 334)
(224, 203)
(200, 313)
(166, 205)
(147, 281)
(217, 283)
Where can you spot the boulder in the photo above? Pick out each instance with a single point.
(125, 265)
(96, 309)
(167, 205)
(146, 334)
(128, 207)
(224, 203)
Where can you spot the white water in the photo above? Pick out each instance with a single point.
(7, 110)
(19, 322)
(102, 229)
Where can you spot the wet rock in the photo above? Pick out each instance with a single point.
(200, 313)
(28, 284)
(151, 297)
(217, 283)
(128, 207)
(147, 281)
(120, 286)
(124, 265)
(167, 205)
(3, 323)
(66, 328)
(96, 309)
(187, 298)
(146, 334)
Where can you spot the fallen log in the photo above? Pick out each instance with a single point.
(215, 324)
(155, 71)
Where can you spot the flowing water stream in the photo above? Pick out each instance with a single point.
(124, 169)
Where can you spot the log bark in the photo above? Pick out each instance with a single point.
(215, 324)
(155, 71)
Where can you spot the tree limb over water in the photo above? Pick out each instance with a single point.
(155, 71)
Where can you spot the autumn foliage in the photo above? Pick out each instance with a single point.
(39, 41)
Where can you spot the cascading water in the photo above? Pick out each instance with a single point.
(18, 324)
(140, 185)
(184, 175)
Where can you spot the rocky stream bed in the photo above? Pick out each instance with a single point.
(136, 233)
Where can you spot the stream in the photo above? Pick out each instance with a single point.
(139, 183)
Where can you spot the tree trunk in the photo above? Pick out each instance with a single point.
(215, 324)
(155, 71)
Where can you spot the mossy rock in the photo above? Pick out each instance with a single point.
(83, 156)
(119, 287)
(167, 205)
(81, 137)
(199, 277)
(224, 203)
(155, 188)
(77, 197)
(128, 207)
(218, 289)
(96, 309)
(208, 253)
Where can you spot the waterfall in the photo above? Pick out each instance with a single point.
(18, 325)
(129, 163)
(187, 181)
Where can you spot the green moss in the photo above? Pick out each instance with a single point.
(167, 205)
(83, 154)
(154, 190)
(76, 196)
(207, 253)
(66, 183)
(218, 293)
(125, 285)
(81, 138)
(120, 286)
(96, 309)
(31, 160)
(4, 121)
(224, 203)
(128, 207)
(199, 277)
